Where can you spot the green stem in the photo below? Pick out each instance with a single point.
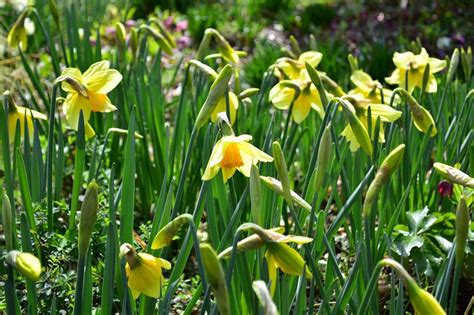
(49, 164)
(79, 285)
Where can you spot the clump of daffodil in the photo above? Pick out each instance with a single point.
(295, 86)
(279, 254)
(411, 67)
(88, 92)
(143, 272)
(371, 89)
(233, 153)
(361, 106)
(20, 114)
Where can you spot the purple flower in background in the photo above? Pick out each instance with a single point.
(445, 188)
(130, 23)
(183, 41)
(168, 23)
(182, 25)
(110, 31)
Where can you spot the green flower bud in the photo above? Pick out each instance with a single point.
(420, 115)
(133, 41)
(324, 157)
(163, 31)
(316, 79)
(282, 170)
(27, 264)
(466, 61)
(215, 276)
(160, 39)
(89, 208)
(353, 62)
(7, 220)
(265, 298)
(388, 166)
(218, 88)
(276, 186)
(453, 65)
(204, 68)
(204, 45)
(295, 46)
(228, 53)
(120, 34)
(357, 127)
(454, 175)
(168, 232)
(462, 228)
(248, 93)
(17, 35)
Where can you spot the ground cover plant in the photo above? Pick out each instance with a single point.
(144, 173)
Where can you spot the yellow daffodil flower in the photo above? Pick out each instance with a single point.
(282, 95)
(233, 153)
(21, 114)
(221, 107)
(17, 36)
(143, 272)
(88, 92)
(370, 88)
(287, 68)
(412, 67)
(361, 105)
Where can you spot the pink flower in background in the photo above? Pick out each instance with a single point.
(168, 23)
(182, 25)
(445, 188)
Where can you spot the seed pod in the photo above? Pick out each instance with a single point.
(89, 208)
(275, 185)
(218, 88)
(7, 221)
(169, 231)
(453, 65)
(215, 276)
(27, 264)
(388, 166)
(454, 175)
(462, 228)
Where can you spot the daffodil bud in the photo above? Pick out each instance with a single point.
(248, 93)
(420, 115)
(295, 46)
(265, 298)
(89, 208)
(7, 220)
(163, 31)
(388, 166)
(53, 8)
(216, 277)
(204, 45)
(353, 62)
(255, 195)
(454, 175)
(204, 68)
(27, 264)
(276, 186)
(218, 88)
(324, 157)
(17, 34)
(228, 53)
(133, 41)
(462, 228)
(453, 65)
(168, 232)
(160, 39)
(332, 85)
(282, 170)
(120, 34)
(316, 79)
(466, 61)
(288, 259)
(423, 302)
(357, 127)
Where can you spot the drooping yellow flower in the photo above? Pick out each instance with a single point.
(412, 67)
(282, 95)
(233, 153)
(17, 36)
(88, 92)
(361, 105)
(21, 114)
(370, 88)
(143, 272)
(222, 107)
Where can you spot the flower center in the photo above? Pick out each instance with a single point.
(232, 158)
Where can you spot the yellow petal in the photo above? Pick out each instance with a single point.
(96, 67)
(215, 159)
(350, 136)
(103, 82)
(272, 271)
(301, 108)
(432, 85)
(146, 277)
(385, 112)
(311, 57)
(281, 97)
(74, 74)
(362, 80)
(100, 103)
(315, 100)
(436, 65)
(228, 173)
(402, 60)
(222, 107)
(72, 106)
(394, 78)
(254, 152)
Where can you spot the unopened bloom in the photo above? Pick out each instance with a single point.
(143, 272)
(27, 264)
(233, 153)
(361, 106)
(21, 114)
(17, 36)
(412, 67)
(88, 92)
